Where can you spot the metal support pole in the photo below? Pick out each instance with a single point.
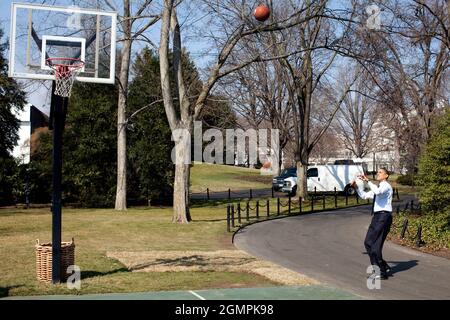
(58, 110)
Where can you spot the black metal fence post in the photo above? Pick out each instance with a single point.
(228, 218)
(289, 205)
(232, 216)
(207, 193)
(346, 198)
(335, 197)
(278, 206)
(239, 213)
(247, 210)
(229, 194)
(419, 236)
(323, 202)
(300, 204)
(257, 209)
(268, 207)
(398, 197)
(357, 198)
(412, 206)
(398, 209)
(272, 191)
(404, 227)
(251, 194)
(315, 191)
(312, 203)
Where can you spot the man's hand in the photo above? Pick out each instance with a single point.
(363, 178)
(353, 184)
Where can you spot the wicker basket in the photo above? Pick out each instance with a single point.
(44, 260)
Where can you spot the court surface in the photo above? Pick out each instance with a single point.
(312, 292)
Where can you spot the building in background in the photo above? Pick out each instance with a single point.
(31, 118)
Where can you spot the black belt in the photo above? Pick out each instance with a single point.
(382, 211)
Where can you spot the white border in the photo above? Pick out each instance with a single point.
(12, 46)
(82, 42)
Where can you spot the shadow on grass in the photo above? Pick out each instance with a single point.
(4, 291)
(92, 274)
(195, 261)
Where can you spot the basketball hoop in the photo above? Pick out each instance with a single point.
(65, 70)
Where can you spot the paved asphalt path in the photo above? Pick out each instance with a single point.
(329, 247)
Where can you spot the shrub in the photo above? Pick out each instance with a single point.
(434, 168)
(435, 228)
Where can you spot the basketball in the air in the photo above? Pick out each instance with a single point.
(262, 12)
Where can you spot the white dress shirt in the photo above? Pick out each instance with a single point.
(383, 193)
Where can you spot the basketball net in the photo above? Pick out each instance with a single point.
(65, 71)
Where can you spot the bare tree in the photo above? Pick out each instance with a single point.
(129, 34)
(240, 26)
(411, 69)
(326, 148)
(308, 73)
(357, 116)
(259, 94)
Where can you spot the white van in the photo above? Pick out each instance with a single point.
(325, 178)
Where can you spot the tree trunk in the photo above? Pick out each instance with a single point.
(181, 212)
(302, 186)
(121, 191)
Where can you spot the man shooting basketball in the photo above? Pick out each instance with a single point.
(381, 220)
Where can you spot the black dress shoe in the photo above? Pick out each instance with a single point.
(386, 266)
(382, 276)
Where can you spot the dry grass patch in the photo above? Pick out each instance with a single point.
(205, 261)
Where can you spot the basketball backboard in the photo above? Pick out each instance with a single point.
(40, 32)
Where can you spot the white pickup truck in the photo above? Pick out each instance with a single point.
(324, 178)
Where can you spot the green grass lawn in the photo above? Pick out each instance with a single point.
(101, 230)
(221, 177)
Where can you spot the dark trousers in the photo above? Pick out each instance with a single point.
(376, 235)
